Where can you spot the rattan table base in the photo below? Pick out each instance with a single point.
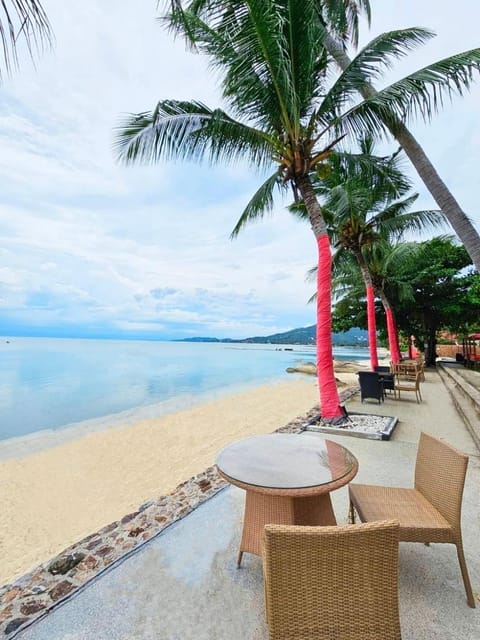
(262, 509)
(287, 478)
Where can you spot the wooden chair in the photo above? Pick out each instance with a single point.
(421, 368)
(431, 511)
(407, 382)
(332, 582)
(410, 368)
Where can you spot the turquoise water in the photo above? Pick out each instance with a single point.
(48, 383)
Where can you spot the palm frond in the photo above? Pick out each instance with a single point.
(382, 174)
(178, 130)
(273, 77)
(26, 20)
(341, 18)
(397, 224)
(260, 204)
(395, 210)
(265, 58)
(420, 94)
(369, 65)
(284, 70)
(230, 42)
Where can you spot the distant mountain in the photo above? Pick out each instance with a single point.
(302, 335)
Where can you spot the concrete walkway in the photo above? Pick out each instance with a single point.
(185, 585)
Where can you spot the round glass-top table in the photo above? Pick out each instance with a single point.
(288, 479)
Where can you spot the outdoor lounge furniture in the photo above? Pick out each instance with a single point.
(386, 376)
(371, 385)
(288, 478)
(431, 511)
(408, 382)
(332, 582)
(410, 367)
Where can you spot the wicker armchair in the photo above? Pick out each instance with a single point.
(431, 511)
(332, 582)
(371, 385)
(386, 376)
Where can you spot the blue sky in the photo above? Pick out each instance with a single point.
(92, 248)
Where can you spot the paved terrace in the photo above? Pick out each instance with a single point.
(184, 583)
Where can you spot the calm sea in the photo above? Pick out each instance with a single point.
(50, 383)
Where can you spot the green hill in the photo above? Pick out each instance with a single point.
(302, 335)
(306, 335)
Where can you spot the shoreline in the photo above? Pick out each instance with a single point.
(59, 495)
(38, 395)
(44, 439)
(61, 486)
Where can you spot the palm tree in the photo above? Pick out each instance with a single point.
(22, 20)
(359, 231)
(458, 219)
(340, 18)
(273, 63)
(360, 199)
(384, 262)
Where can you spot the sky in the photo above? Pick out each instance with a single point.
(89, 247)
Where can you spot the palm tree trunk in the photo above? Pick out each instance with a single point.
(391, 328)
(329, 399)
(425, 169)
(371, 321)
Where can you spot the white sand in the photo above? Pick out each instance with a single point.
(57, 490)
(52, 498)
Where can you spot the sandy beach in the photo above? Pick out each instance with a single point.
(54, 497)
(57, 496)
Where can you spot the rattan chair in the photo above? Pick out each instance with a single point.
(332, 582)
(386, 376)
(431, 511)
(371, 385)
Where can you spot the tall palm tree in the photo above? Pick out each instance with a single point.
(360, 231)
(22, 20)
(340, 18)
(384, 262)
(366, 205)
(458, 219)
(285, 114)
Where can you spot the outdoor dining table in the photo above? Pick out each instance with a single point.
(287, 478)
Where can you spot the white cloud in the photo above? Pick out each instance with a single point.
(85, 240)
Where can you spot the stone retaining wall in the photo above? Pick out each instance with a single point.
(36, 594)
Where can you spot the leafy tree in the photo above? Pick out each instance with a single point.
(22, 20)
(285, 114)
(443, 291)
